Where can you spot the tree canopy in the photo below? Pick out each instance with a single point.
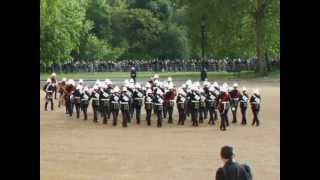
(85, 30)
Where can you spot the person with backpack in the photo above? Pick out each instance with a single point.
(231, 169)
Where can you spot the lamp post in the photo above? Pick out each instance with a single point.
(203, 74)
(203, 26)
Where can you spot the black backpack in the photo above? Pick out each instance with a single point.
(240, 167)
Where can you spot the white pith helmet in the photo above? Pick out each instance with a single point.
(235, 85)
(64, 79)
(124, 88)
(244, 88)
(170, 79)
(48, 80)
(256, 91)
(131, 81)
(138, 86)
(215, 84)
(80, 81)
(149, 91)
(156, 76)
(53, 75)
(116, 89)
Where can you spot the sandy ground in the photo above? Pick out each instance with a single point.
(81, 150)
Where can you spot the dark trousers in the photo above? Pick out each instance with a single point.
(212, 114)
(84, 108)
(46, 104)
(223, 120)
(148, 116)
(77, 109)
(243, 109)
(182, 116)
(125, 117)
(170, 112)
(206, 109)
(201, 114)
(194, 116)
(131, 111)
(165, 111)
(226, 117)
(159, 114)
(115, 113)
(69, 108)
(255, 117)
(234, 112)
(104, 113)
(138, 113)
(95, 113)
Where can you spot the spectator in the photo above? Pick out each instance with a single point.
(232, 170)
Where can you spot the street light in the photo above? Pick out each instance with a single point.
(203, 26)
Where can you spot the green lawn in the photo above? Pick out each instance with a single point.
(175, 75)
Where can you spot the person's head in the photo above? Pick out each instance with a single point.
(227, 153)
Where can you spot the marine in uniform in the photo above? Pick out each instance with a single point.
(234, 95)
(54, 82)
(115, 97)
(181, 104)
(104, 99)
(244, 97)
(202, 107)
(61, 88)
(223, 107)
(148, 104)
(124, 106)
(194, 97)
(84, 101)
(137, 101)
(169, 102)
(95, 102)
(77, 101)
(158, 102)
(211, 100)
(255, 101)
(70, 86)
(48, 88)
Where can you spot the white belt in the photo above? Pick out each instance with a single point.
(95, 99)
(235, 98)
(225, 102)
(105, 99)
(77, 97)
(195, 101)
(114, 102)
(171, 100)
(49, 91)
(181, 102)
(254, 103)
(123, 102)
(159, 104)
(148, 102)
(138, 98)
(84, 99)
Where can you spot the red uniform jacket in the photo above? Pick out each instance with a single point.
(169, 96)
(225, 97)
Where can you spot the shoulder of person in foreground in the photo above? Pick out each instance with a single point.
(220, 174)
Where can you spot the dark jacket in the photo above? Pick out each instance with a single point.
(233, 171)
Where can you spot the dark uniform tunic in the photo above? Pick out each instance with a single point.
(48, 88)
(95, 104)
(104, 99)
(158, 102)
(138, 96)
(181, 104)
(84, 98)
(194, 107)
(235, 95)
(124, 105)
(255, 107)
(243, 107)
(77, 101)
(148, 104)
(115, 106)
(211, 100)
